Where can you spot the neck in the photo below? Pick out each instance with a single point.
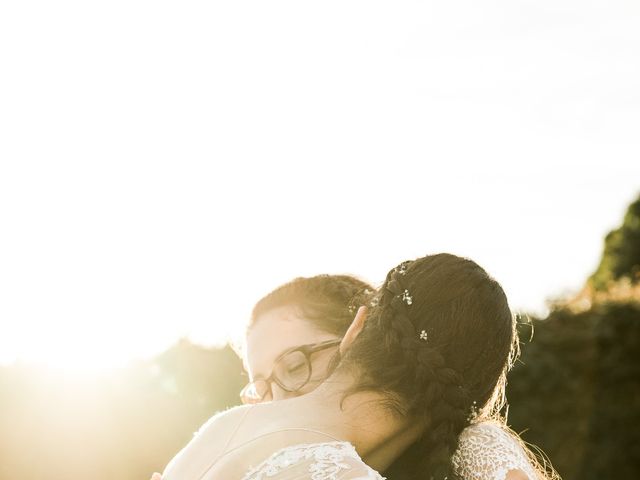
(379, 435)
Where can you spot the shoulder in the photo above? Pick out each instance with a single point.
(484, 432)
(206, 445)
(224, 422)
(489, 451)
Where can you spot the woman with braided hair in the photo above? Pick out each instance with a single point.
(414, 371)
(316, 312)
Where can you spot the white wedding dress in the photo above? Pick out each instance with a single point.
(314, 461)
(486, 452)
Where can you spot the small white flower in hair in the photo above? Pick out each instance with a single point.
(423, 335)
(402, 268)
(473, 414)
(406, 298)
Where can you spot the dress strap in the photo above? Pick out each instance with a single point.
(235, 430)
(223, 451)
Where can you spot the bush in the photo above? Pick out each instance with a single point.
(576, 391)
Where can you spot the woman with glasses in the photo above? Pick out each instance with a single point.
(292, 372)
(294, 333)
(381, 411)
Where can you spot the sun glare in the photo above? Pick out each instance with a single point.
(70, 357)
(156, 185)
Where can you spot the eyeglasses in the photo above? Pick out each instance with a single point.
(291, 371)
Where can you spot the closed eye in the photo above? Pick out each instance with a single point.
(296, 368)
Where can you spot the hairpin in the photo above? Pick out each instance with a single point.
(402, 268)
(406, 298)
(473, 412)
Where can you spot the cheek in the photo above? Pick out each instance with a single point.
(318, 375)
(280, 394)
(321, 364)
(319, 370)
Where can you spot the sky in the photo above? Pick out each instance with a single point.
(165, 164)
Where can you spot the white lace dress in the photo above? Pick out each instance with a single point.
(314, 461)
(486, 452)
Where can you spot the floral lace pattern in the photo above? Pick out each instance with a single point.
(486, 452)
(321, 461)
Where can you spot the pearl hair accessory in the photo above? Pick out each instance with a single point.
(402, 268)
(473, 414)
(406, 298)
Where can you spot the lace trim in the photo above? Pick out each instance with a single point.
(486, 452)
(328, 461)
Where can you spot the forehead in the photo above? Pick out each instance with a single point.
(274, 332)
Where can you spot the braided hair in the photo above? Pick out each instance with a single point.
(436, 342)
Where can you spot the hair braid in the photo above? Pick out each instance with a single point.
(414, 354)
(444, 404)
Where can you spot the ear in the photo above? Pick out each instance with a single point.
(354, 329)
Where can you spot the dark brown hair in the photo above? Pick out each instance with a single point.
(329, 302)
(437, 344)
(470, 344)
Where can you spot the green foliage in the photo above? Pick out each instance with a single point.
(614, 433)
(122, 425)
(621, 256)
(576, 391)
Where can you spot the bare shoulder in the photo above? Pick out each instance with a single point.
(207, 444)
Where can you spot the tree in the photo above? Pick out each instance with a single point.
(621, 255)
